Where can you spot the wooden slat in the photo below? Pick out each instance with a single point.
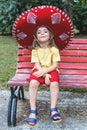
(73, 77)
(78, 41)
(73, 81)
(77, 47)
(73, 71)
(67, 65)
(24, 58)
(23, 71)
(74, 59)
(21, 75)
(25, 65)
(73, 85)
(61, 71)
(73, 53)
(73, 66)
(11, 83)
(24, 52)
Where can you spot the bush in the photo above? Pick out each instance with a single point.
(8, 13)
(11, 9)
(80, 18)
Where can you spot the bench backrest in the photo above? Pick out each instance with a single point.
(72, 68)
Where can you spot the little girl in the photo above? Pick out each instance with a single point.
(45, 57)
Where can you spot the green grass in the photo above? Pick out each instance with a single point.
(8, 58)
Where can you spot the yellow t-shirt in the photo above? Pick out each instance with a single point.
(45, 56)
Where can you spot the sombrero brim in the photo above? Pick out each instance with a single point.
(58, 21)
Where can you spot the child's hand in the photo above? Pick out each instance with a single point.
(39, 73)
(47, 79)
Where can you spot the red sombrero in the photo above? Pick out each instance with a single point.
(51, 16)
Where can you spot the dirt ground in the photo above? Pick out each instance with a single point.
(72, 106)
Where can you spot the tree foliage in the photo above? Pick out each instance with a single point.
(80, 15)
(11, 9)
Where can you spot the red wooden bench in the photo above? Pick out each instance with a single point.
(73, 73)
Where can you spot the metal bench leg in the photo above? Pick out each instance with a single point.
(9, 110)
(12, 106)
(14, 110)
(22, 92)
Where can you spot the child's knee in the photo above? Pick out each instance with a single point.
(34, 83)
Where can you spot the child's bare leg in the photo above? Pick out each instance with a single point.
(33, 96)
(54, 90)
(33, 93)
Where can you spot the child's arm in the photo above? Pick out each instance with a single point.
(51, 68)
(42, 72)
(38, 66)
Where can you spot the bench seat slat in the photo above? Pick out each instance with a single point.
(21, 75)
(73, 85)
(19, 80)
(73, 77)
(23, 71)
(73, 81)
(73, 71)
(12, 83)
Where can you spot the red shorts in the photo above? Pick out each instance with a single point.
(54, 77)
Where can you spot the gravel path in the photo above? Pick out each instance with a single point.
(72, 106)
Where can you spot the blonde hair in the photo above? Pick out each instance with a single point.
(51, 40)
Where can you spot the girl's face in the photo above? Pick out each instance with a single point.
(43, 35)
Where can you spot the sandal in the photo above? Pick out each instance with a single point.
(58, 119)
(32, 120)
